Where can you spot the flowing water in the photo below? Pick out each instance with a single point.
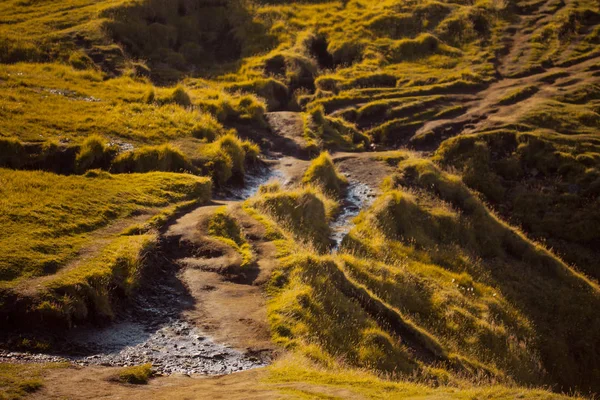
(358, 197)
(154, 329)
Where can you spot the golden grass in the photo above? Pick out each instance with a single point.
(17, 381)
(322, 173)
(48, 218)
(429, 272)
(225, 228)
(137, 375)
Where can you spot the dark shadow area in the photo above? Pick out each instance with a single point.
(318, 49)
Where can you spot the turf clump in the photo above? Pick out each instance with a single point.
(164, 158)
(322, 173)
(304, 212)
(94, 153)
(136, 375)
(226, 158)
(225, 228)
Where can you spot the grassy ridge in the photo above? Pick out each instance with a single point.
(546, 183)
(430, 285)
(64, 249)
(505, 258)
(48, 218)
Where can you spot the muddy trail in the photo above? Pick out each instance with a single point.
(191, 315)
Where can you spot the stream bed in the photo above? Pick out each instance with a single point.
(153, 329)
(358, 197)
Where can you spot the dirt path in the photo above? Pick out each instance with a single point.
(229, 307)
(198, 313)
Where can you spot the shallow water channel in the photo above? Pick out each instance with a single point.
(154, 329)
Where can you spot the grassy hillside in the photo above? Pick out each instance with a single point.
(475, 265)
(74, 244)
(431, 284)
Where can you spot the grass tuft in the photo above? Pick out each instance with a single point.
(322, 173)
(136, 375)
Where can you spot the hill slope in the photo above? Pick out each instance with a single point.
(467, 131)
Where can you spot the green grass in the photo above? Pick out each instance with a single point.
(137, 375)
(431, 286)
(48, 217)
(18, 381)
(303, 212)
(546, 183)
(63, 245)
(322, 173)
(361, 384)
(164, 158)
(431, 264)
(443, 217)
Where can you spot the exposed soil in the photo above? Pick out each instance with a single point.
(247, 385)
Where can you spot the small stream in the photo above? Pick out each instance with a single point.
(252, 182)
(358, 197)
(153, 330)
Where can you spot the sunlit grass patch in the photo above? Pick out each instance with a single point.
(21, 380)
(47, 218)
(323, 173)
(225, 228)
(136, 375)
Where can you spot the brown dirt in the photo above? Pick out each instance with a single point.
(96, 383)
(288, 133)
(228, 306)
(363, 167)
